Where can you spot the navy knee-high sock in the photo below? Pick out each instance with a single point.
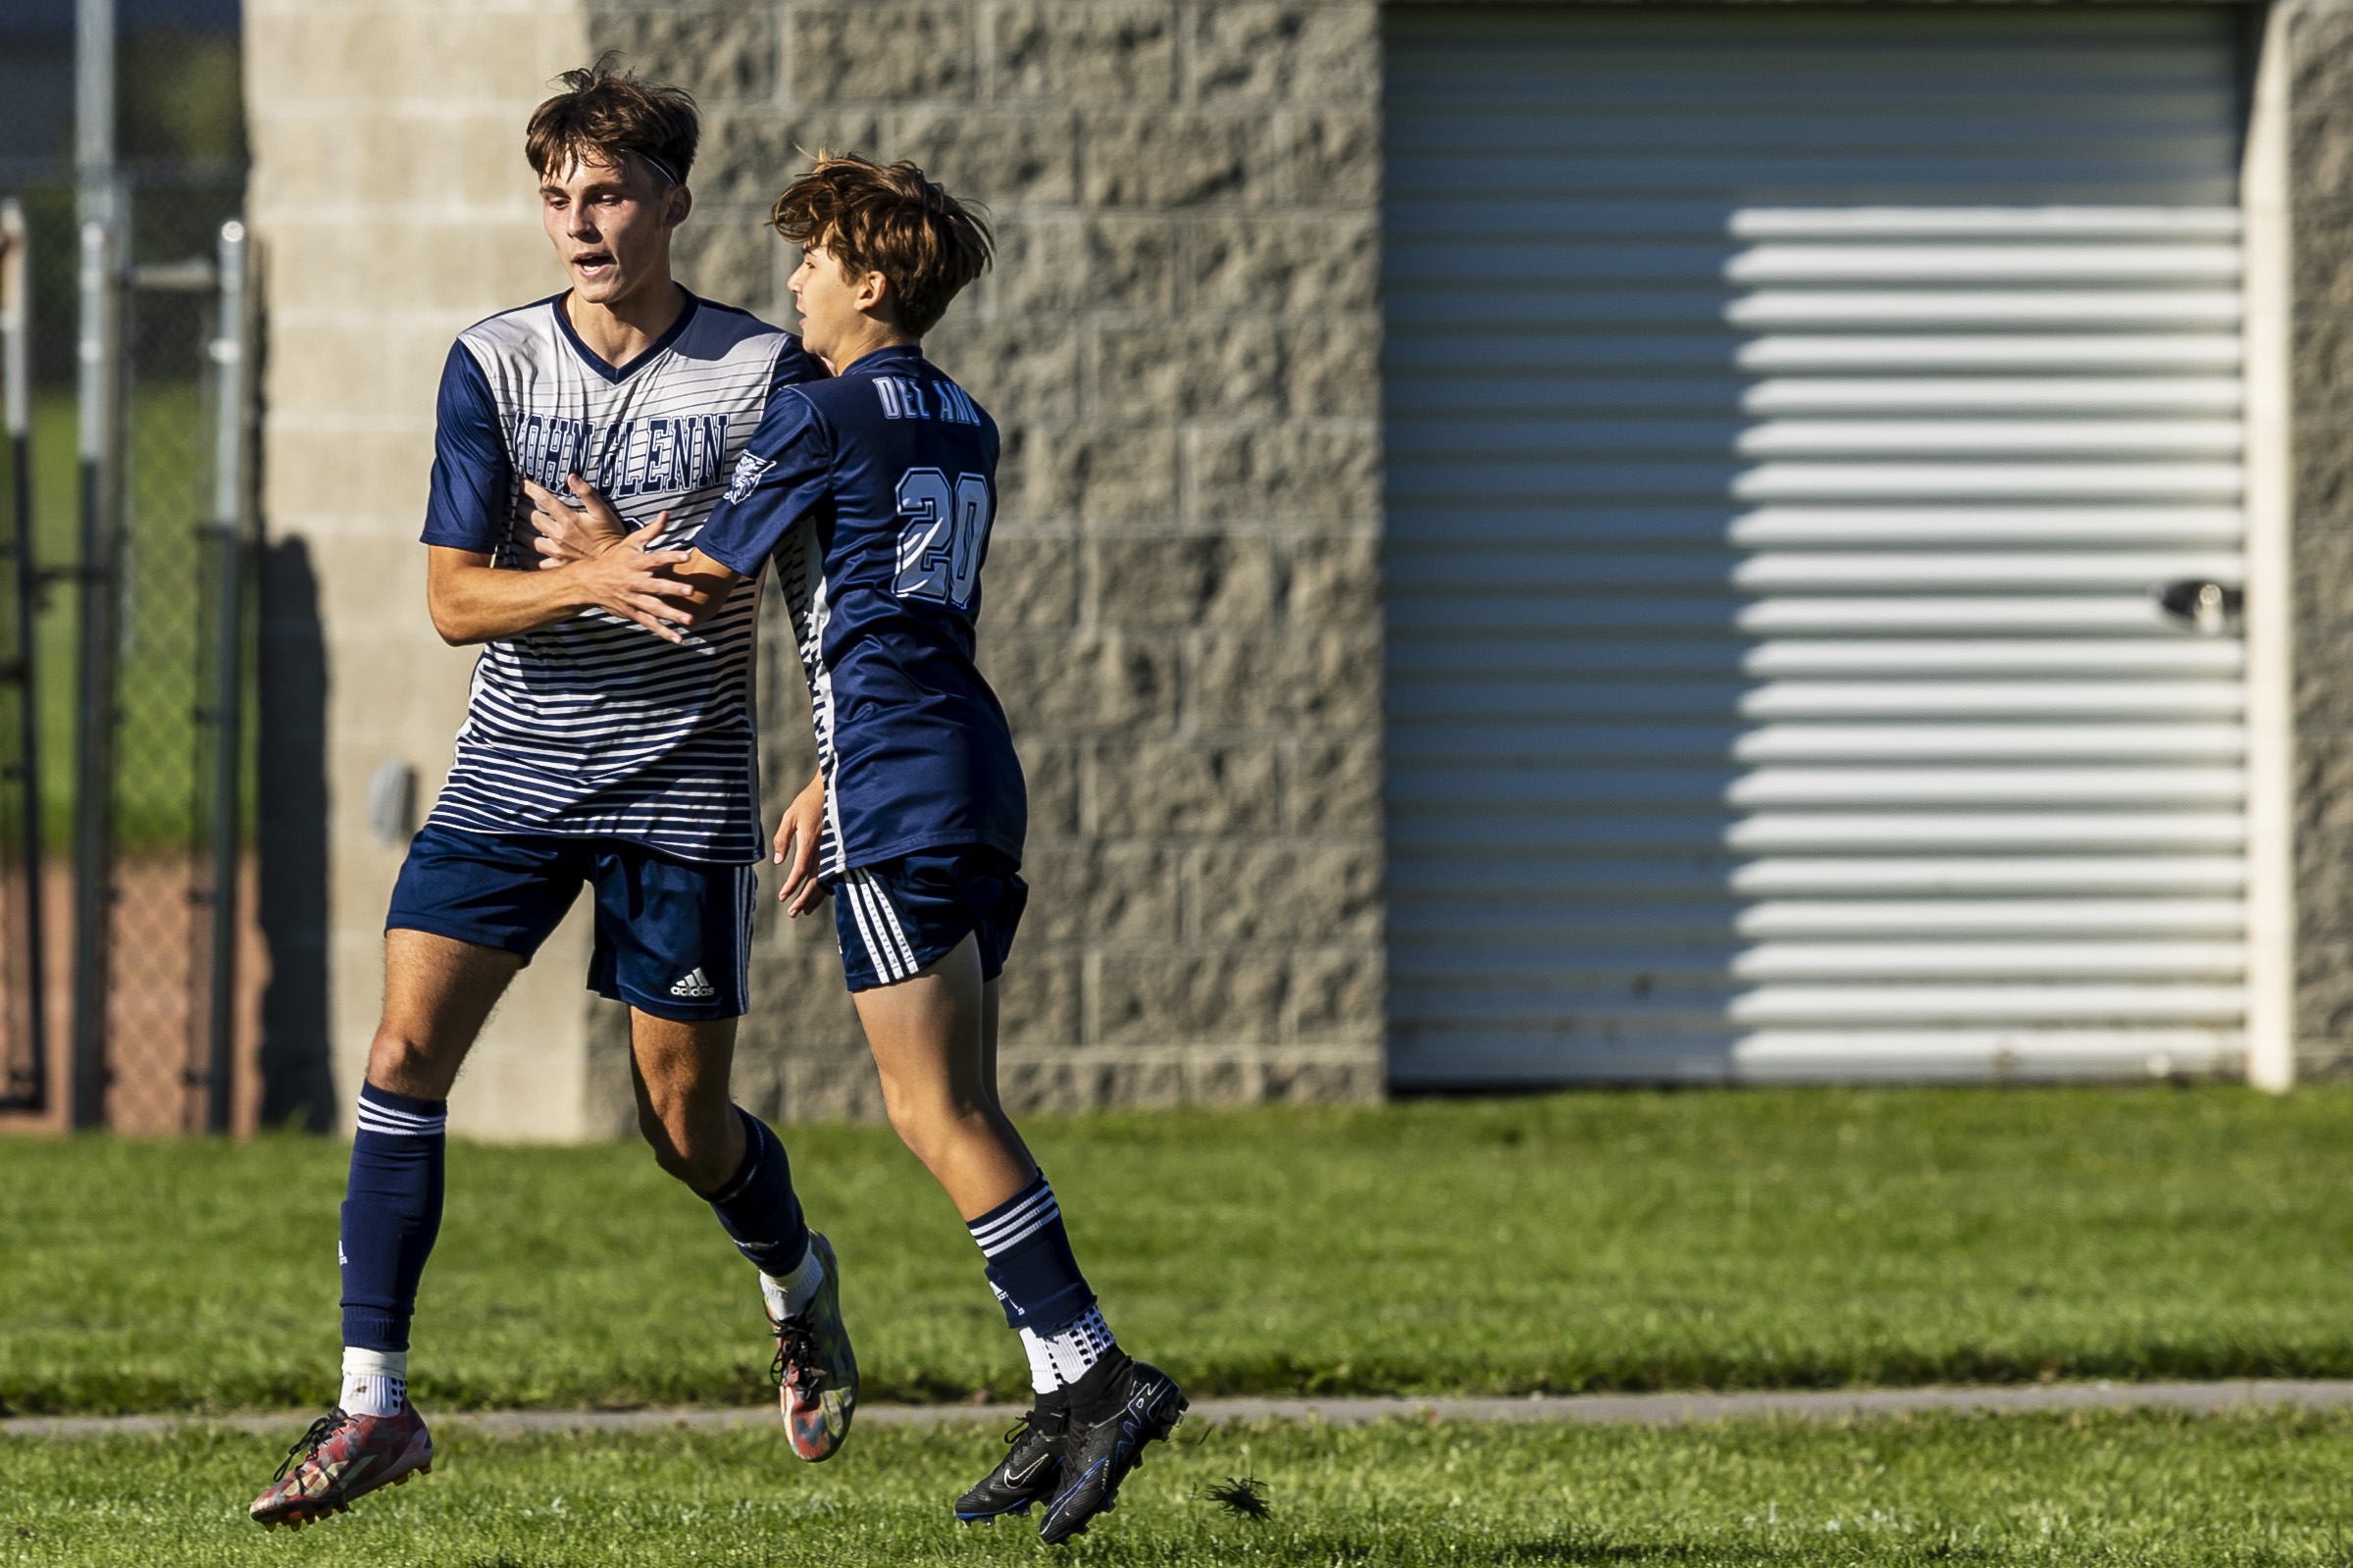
(758, 1208)
(391, 1214)
(1030, 1262)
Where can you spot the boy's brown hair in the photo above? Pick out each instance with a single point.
(608, 113)
(896, 220)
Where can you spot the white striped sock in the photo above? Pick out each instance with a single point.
(373, 1116)
(1016, 1223)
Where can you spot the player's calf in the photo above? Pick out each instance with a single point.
(1097, 1409)
(391, 1213)
(816, 1373)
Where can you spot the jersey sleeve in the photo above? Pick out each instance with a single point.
(472, 480)
(782, 475)
(793, 366)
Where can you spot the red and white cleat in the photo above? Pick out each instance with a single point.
(340, 1460)
(816, 1372)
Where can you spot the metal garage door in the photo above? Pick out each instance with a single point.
(1789, 413)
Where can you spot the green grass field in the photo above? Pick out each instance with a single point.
(1613, 1240)
(2122, 1488)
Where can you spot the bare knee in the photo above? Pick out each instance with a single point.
(694, 1149)
(666, 1150)
(389, 1055)
(409, 1066)
(929, 1122)
(916, 1129)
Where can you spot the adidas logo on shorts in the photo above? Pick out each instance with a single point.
(694, 987)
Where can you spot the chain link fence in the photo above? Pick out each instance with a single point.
(168, 716)
(149, 969)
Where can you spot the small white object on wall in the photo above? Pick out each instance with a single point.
(392, 803)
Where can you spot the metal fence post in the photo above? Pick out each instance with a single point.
(99, 350)
(16, 374)
(231, 486)
(101, 411)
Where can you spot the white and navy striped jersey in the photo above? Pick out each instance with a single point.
(594, 727)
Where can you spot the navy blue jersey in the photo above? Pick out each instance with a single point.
(594, 727)
(873, 492)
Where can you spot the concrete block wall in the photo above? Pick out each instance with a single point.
(2319, 35)
(1181, 344)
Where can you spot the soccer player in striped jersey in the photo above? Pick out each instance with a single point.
(604, 746)
(873, 493)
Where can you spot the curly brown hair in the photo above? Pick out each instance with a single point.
(608, 113)
(894, 220)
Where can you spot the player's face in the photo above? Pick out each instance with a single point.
(611, 224)
(831, 318)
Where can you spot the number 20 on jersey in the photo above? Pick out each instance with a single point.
(940, 548)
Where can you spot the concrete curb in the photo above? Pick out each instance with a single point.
(1597, 1409)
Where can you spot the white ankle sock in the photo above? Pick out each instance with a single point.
(791, 1294)
(374, 1381)
(1079, 1345)
(1042, 1364)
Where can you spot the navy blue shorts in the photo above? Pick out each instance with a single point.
(896, 916)
(673, 936)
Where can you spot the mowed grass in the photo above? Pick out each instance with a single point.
(2094, 1489)
(1577, 1242)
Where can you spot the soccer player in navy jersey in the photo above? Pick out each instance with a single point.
(873, 493)
(605, 747)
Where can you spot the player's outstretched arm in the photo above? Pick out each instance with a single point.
(473, 601)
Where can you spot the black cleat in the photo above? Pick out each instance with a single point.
(1138, 1404)
(1028, 1474)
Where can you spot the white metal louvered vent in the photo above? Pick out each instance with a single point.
(1991, 817)
(1788, 414)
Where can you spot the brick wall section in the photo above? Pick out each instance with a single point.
(1180, 344)
(2321, 192)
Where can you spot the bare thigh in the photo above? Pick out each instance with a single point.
(439, 993)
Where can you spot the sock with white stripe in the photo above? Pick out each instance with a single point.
(1030, 1263)
(391, 1214)
(374, 1381)
(757, 1206)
